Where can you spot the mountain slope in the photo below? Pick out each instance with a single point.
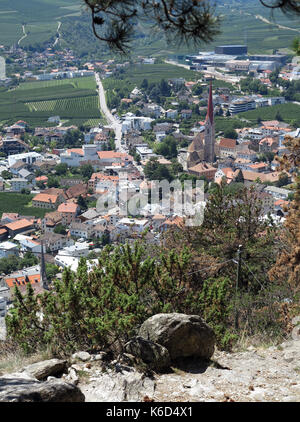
(243, 22)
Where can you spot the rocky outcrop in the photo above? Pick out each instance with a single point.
(42, 370)
(153, 354)
(182, 335)
(83, 356)
(117, 386)
(21, 387)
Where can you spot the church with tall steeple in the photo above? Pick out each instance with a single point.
(209, 132)
(202, 148)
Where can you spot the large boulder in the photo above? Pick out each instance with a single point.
(182, 335)
(42, 370)
(153, 354)
(20, 387)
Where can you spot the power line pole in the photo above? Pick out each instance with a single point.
(44, 280)
(238, 275)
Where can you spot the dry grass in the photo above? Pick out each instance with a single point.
(258, 341)
(12, 359)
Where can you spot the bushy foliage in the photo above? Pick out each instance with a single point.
(14, 263)
(193, 272)
(104, 307)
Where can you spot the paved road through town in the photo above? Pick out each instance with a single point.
(112, 120)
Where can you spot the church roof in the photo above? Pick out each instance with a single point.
(196, 144)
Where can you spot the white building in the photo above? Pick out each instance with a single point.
(276, 100)
(242, 104)
(8, 249)
(73, 262)
(83, 230)
(18, 184)
(145, 153)
(26, 157)
(132, 224)
(132, 122)
(171, 114)
(79, 249)
(278, 193)
(73, 157)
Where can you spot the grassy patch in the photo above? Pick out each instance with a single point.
(135, 74)
(288, 112)
(19, 203)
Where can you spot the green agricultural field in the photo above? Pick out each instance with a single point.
(76, 101)
(288, 112)
(19, 203)
(155, 72)
(79, 83)
(40, 18)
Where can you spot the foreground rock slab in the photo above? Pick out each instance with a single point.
(42, 370)
(112, 386)
(182, 335)
(259, 375)
(20, 387)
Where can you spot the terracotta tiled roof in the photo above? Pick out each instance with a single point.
(258, 165)
(23, 280)
(76, 151)
(227, 143)
(69, 207)
(10, 215)
(41, 179)
(271, 123)
(202, 167)
(113, 154)
(270, 141)
(176, 221)
(281, 203)
(264, 177)
(20, 224)
(228, 171)
(44, 197)
(101, 176)
(76, 190)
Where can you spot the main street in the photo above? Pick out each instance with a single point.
(113, 122)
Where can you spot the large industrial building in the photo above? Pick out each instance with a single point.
(235, 58)
(232, 50)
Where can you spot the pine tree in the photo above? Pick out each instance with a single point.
(288, 262)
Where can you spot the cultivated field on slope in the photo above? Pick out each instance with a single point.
(288, 112)
(75, 101)
(40, 18)
(241, 23)
(134, 75)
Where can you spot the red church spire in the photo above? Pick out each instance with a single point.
(210, 107)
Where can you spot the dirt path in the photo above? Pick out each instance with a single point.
(276, 24)
(59, 35)
(24, 35)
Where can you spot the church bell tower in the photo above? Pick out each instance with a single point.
(209, 133)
